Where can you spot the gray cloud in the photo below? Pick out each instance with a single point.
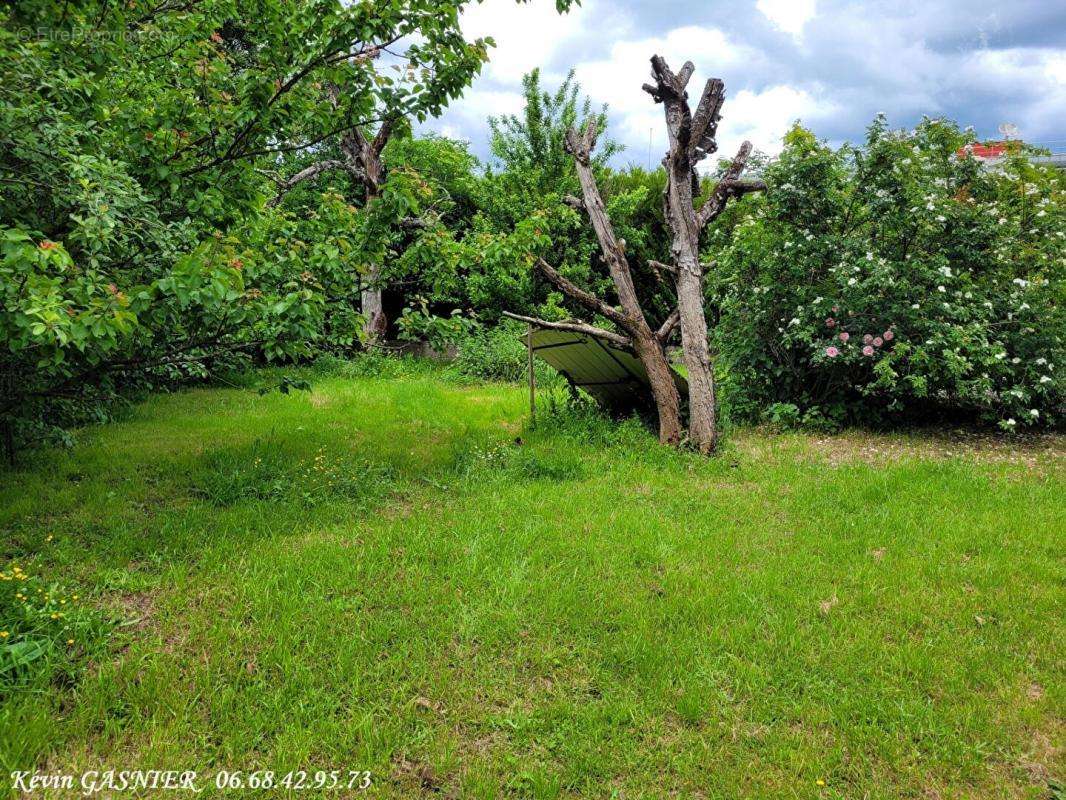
(979, 62)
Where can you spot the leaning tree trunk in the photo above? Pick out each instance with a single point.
(647, 344)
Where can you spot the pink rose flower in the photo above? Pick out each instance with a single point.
(830, 322)
(878, 341)
(867, 338)
(844, 336)
(832, 352)
(889, 336)
(836, 309)
(867, 351)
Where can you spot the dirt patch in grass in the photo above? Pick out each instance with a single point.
(134, 610)
(1037, 451)
(418, 776)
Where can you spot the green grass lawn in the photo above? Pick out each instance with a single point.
(373, 575)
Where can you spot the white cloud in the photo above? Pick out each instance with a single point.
(530, 35)
(527, 36)
(956, 66)
(617, 79)
(468, 118)
(1040, 73)
(788, 15)
(764, 117)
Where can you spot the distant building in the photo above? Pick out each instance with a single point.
(988, 151)
(991, 153)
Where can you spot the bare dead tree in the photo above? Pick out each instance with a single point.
(648, 344)
(692, 138)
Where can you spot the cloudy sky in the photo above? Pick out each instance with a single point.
(829, 63)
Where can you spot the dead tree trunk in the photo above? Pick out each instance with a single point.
(646, 343)
(648, 347)
(367, 154)
(692, 138)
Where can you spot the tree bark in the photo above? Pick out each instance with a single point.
(362, 159)
(646, 344)
(365, 155)
(680, 215)
(663, 389)
(375, 323)
(692, 138)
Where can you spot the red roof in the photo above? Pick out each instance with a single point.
(986, 151)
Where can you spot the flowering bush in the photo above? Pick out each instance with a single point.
(897, 281)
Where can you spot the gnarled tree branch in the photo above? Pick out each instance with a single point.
(729, 186)
(613, 250)
(307, 173)
(671, 322)
(575, 326)
(705, 120)
(582, 296)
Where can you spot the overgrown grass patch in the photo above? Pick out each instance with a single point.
(265, 471)
(47, 631)
(571, 611)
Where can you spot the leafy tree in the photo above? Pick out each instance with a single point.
(530, 149)
(133, 135)
(529, 177)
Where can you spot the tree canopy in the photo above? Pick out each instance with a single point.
(187, 188)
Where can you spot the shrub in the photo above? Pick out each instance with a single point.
(896, 282)
(495, 354)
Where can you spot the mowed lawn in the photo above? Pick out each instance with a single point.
(375, 575)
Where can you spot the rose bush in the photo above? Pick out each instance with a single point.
(898, 281)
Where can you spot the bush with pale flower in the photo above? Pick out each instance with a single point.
(920, 285)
